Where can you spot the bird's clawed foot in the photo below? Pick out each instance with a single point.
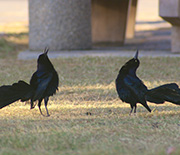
(43, 114)
(131, 112)
(47, 115)
(32, 106)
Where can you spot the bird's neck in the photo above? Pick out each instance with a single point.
(132, 72)
(44, 66)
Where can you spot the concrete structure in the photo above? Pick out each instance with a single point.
(109, 20)
(59, 24)
(131, 19)
(170, 11)
(67, 24)
(95, 53)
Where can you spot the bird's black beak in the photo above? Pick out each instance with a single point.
(136, 55)
(46, 50)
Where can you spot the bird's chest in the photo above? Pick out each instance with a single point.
(125, 94)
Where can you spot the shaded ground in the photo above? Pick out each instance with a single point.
(150, 40)
(147, 40)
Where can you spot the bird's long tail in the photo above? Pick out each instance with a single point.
(167, 92)
(17, 91)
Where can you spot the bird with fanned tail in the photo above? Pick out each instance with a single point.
(132, 90)
(43, 84)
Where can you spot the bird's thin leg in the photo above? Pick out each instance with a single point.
(39, 105)
(146, 106)
(32, 104)
(45, 103)
(135, 108)
(131, 109)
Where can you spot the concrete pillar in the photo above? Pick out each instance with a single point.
(170, 11)
(109, 18)
(131, 19)
(175, 39)
(59, 24)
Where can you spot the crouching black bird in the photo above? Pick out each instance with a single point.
(43, 84)
(132, 90)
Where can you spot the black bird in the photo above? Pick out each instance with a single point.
(43, 84)
(129, 87)
(132, 90)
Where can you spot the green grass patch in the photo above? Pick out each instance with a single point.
(87, 87)
(12, 43)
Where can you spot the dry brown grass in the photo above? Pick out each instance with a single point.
(87, 87)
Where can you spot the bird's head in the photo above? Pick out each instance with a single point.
(131, 65)
(43, 59)
(134, 62)
(43, 56)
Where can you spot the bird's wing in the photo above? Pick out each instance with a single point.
(137, 87)
(40, 80)
(53, 85)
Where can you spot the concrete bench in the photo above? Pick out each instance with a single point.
(76, 24)
(169, 10)
(113, 20)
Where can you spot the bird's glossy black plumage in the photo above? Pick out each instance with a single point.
(129, 87)
(43, 84)
(167, 92)
(132, 90)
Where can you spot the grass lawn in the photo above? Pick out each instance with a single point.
(87, 87)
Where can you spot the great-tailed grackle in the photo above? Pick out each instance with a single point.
(44, 83)
(132, 90)
(129, 87)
